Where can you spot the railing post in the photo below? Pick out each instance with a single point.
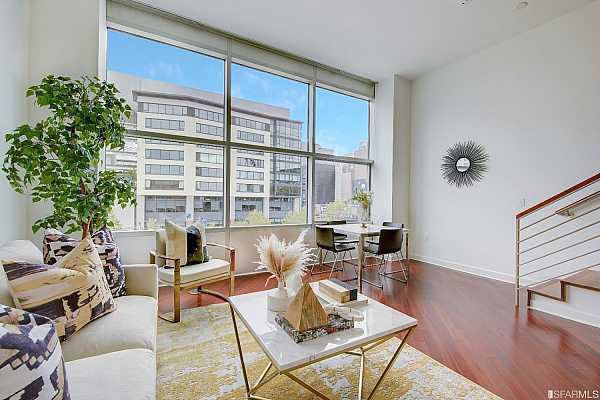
(517, 251)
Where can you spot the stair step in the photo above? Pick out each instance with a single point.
(586, 279)
(552, 289)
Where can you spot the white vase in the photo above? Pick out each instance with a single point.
(278, 299)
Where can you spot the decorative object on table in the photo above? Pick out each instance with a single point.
(464, 164)
(31, 360)
(344, 312)
(361, 299)
(57, 159)
(335, 323)
(364, 198)
(187, 244)
(340, 291)
(285, 261)
(56, 245)
(72, 293)
(305, 311)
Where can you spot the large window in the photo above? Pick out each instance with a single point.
(342, 124)
(268, 109)
(335, 183)
(187, 164)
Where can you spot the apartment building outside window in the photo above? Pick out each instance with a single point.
(264, 187)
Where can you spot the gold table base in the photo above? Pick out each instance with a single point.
(266, 377)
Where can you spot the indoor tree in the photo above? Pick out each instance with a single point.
(57, 159)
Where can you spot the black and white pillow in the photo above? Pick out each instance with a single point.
(57, 245)
(31, 361)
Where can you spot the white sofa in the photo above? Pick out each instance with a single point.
(113, 357)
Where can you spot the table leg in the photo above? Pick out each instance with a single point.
(361, 249)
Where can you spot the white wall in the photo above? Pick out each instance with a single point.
(390, 148)
(534, 103)
(14, 40)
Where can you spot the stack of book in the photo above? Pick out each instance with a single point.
(338, 293)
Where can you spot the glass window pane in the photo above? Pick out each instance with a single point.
(335, 183)
(170, 89)
(264, 104)
(341, 124)
(167, 184)
(268, 188)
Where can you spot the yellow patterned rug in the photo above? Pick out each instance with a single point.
(197, 359)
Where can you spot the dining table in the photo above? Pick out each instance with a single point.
(362, 232)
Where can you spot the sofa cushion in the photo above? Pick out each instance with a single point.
(131, 326)
(31, 361)
(56, 245)
(122, 375)
(22, 250)
(71, 293)
(186, 244)
(191, 273)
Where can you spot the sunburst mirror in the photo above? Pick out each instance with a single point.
(464, 164)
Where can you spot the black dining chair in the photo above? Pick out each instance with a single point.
(326, 243)
(390, 243)
(341, 237)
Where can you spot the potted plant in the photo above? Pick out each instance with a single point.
(56, 160)
(364, 199)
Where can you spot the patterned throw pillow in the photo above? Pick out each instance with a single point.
(31, 361)
(72, 292)
(187, 244)
(57, 245)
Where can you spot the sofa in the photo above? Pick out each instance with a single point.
(113, 357)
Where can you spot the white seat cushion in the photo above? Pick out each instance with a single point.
(131, 326)
(122, 375)
(195, 272)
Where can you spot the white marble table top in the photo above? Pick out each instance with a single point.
(380, 321)
(357, 229)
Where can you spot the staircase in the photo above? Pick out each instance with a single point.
(558, 245)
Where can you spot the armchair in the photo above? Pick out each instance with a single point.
(190, 276)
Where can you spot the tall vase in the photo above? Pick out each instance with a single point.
(364, 216)
(278, 298)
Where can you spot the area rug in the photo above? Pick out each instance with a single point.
(197, 359)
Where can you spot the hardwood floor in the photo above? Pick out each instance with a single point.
(470, 325)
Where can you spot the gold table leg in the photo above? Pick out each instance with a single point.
(389, 365)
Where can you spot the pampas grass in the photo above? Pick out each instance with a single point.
(282, 259)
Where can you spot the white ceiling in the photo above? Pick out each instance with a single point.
(373, 38)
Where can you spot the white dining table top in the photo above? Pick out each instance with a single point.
(380, 321)
(357, 229)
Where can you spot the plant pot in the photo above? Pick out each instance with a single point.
(278, 299)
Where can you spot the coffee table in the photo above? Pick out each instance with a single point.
(381, 323)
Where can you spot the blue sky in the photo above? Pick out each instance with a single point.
(341, 121)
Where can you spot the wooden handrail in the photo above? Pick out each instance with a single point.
(559, 196)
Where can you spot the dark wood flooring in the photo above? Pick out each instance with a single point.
(470, 325)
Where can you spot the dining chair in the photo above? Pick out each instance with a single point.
(390, 243)
(326, 243)
(340, 237)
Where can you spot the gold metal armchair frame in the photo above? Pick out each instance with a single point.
(178, 286)
(267, 375)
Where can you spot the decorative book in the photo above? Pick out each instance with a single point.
(341, 292)
(361, 299)
(335, 324)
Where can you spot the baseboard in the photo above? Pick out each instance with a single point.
(469, 269)
(574, 315)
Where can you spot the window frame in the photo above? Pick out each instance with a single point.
(228, 142)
